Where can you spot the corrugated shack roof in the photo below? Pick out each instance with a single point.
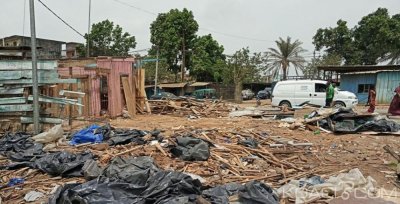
(359, 68)
(173, 85)
(200, 84)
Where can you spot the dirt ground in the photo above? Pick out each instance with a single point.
(339, 151)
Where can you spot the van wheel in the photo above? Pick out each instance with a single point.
(339, 104)
(285, 103)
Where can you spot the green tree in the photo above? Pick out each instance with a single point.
(241, 67)
(337, 41)
(372, 36)
(376, 38)
(105, 39)
(288, 54)
(163, 74)
(207, 59)
(311, 71)
(173, 33)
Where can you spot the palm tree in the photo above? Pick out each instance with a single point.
(287, 54)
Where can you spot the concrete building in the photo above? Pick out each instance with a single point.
(47, 49)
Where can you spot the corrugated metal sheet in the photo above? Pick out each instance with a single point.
(119, 67)
(350, 82)
(94, 91)
(386, 84)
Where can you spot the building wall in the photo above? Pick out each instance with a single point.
(119, 67)
(386, 83)
(350, 82)
(50, 49)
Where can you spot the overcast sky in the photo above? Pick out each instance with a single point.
(255, 23)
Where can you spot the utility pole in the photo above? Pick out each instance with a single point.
(156, 78)
(183, 61)
(88, 34)
(35, 88)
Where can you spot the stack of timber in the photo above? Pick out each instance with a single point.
(188, 106)
(16, 93)
(135, 94)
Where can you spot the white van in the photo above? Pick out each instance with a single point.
(292, 93)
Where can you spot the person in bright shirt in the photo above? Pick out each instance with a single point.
(330, 93)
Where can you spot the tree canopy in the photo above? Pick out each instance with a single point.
(374, 39)
(173, 33)
(240, 67)
(105, 39)
(287, 54)
(207, 59)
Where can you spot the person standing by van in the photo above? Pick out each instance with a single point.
(371, 99)
(330, 93)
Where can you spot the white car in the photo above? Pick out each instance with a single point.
(292, 93)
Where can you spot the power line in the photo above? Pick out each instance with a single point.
(206, 29)
(135, 7)
(61, 18)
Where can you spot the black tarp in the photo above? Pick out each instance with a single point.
(132, 180)
(63, 163)
(20, 147)
(191, 149)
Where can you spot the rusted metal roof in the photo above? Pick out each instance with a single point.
(200, 84)
(358, 68)
(173, 85)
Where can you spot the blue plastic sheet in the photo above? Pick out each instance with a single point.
(87, 135)
(15, 181)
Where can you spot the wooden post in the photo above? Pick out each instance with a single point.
(128, 95)
(133, 86)
(70, 106)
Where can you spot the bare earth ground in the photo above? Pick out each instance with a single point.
(340, 151)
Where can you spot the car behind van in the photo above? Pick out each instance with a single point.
(292, 93)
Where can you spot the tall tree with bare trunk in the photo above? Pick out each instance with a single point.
(287, 54)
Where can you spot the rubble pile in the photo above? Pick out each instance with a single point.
(191, 107)
(132, 166)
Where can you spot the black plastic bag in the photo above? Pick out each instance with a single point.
(191, 149)
(63, 163)
(249, 142)
(221, 194)
(131, 170)
(257, 193)
(161, 188)
(20, 147)
(381, 125)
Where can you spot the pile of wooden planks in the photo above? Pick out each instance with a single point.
(135, 94)
(190, 107)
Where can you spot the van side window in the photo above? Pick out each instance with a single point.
(320, 87)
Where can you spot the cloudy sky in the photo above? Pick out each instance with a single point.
(234, 23)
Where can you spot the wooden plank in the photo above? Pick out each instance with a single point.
(64, 101)
(133, 86)
(41, 81)
(128, 95)
(143, 92)
(26, 120)
(11, 91)
(74, 94)
(26, 74)
(16, 108)
(13, 100)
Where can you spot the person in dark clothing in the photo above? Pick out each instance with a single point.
(371, 99)
(394, 107)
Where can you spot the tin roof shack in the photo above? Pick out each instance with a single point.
(100, 80)
(50, 49)
(16, 92)
(358, 79)
(175, 88)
